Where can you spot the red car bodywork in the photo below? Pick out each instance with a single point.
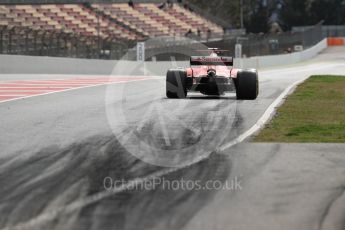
(211, 75)
(199, 71)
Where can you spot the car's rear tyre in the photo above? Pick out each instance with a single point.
(176, 83)
(247, 85)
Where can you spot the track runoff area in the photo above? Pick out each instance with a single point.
(301, 119)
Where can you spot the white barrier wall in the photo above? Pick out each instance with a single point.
(282, 59)
(52, 65)
(17, 64)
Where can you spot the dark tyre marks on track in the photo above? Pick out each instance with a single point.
(57, 177)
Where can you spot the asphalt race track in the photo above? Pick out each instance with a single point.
(58, 148)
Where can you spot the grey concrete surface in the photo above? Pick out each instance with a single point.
(57, 149)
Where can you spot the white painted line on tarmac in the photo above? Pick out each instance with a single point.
(264, 118)
(270, 110)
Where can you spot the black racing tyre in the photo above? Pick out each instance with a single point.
(247, 85)
(176, 83)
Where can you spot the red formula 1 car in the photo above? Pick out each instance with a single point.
(212, 75)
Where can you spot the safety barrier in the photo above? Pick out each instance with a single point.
(50, 65)
(282, 59)
(20, 64)
(335, 41)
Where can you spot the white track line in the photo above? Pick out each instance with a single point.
(271, 109)
(264, 118)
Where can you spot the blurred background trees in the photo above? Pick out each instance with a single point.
(259, 15)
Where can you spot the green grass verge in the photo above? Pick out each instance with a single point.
(315, 112)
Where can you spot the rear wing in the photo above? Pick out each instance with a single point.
(205, 60)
